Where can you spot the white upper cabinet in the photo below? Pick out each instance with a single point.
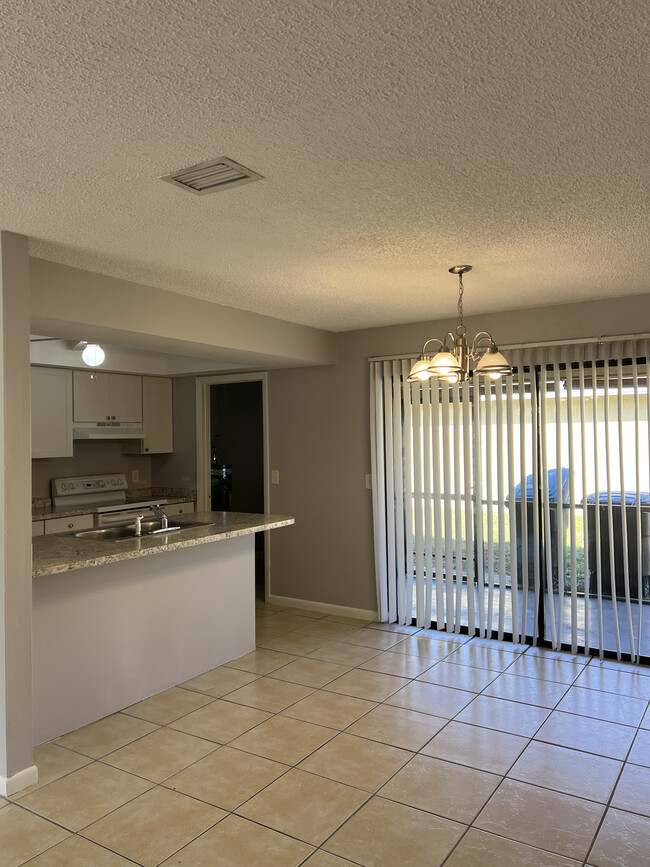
(107, 397)
(157, 418)
(125, 397)
(51, 412)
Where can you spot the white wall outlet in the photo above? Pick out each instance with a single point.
(369, 481)
(135, 475)
(275, 477)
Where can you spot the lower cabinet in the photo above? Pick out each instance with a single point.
(180, 508)
(68, 525)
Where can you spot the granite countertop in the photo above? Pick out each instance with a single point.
(62, 553)
(40, 513)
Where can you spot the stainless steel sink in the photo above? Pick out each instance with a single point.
(149, 528)
(103, 534)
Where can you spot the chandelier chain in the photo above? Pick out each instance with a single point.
(460, 299)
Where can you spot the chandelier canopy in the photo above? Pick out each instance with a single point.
(451, 362)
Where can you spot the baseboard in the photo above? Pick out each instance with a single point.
(16, 782)
(324, 607)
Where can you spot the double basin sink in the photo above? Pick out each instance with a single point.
(149, 528)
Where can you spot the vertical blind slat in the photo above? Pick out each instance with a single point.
(390, 493)
(449, 542)
(469, 519)
(425, 616)
(405, 526)
(458, 507)
(610, 513)
(637, 511)
(597, 509)
(626, 564)
(437, 509)
(488, 505)
(548, 558)
(522, 517)
(380, 519)
(517, 628)
(585, 510)
(573, 564)
(501, 519)
(559, 503)
(478, 507)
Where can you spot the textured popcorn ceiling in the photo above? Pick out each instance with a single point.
(396, 137)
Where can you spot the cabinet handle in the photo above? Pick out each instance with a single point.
(108, 418)
(113, 417)
(71, 525)
(146, 448)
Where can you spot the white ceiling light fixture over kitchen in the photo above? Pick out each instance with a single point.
(451, 363)
(92, 355)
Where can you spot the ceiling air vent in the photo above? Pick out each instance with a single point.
(210, 177)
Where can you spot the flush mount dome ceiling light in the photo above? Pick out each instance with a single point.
(92, 355)
(451, 362)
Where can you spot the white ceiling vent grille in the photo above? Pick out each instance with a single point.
(219, 174)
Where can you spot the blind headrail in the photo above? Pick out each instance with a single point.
(577, 341)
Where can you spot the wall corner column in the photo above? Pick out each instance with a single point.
(17, 768)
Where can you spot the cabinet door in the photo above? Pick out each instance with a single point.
(157, 415)
(91, 391)
(125, 397)
(157, 419)
(51, 412)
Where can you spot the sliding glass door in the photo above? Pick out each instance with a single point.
(518, 508)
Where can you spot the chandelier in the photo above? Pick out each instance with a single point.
(451, 362)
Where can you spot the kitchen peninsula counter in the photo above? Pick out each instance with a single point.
(113, 625)
(63, 553)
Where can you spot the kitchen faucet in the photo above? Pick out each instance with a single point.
(160, 513)
(138, 525)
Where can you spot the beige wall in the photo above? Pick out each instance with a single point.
(178, 470)
(319, 430)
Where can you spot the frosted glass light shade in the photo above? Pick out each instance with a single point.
(493, 364)
(420, 370)
(93, 355)
(444, 364)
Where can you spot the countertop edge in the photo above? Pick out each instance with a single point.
(157, 544)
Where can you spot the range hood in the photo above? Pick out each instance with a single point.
(108, 430)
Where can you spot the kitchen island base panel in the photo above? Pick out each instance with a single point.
(108, 636)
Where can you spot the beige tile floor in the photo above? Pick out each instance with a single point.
(340, 743)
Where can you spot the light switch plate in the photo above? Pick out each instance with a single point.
(275, 477)
(369, 481)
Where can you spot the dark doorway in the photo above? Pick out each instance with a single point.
(237, 455)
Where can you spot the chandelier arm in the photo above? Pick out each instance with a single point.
(482, 341)
(431, 340)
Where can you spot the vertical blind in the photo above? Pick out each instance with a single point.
(518, 507)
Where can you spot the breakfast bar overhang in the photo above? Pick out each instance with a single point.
(113, 625)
